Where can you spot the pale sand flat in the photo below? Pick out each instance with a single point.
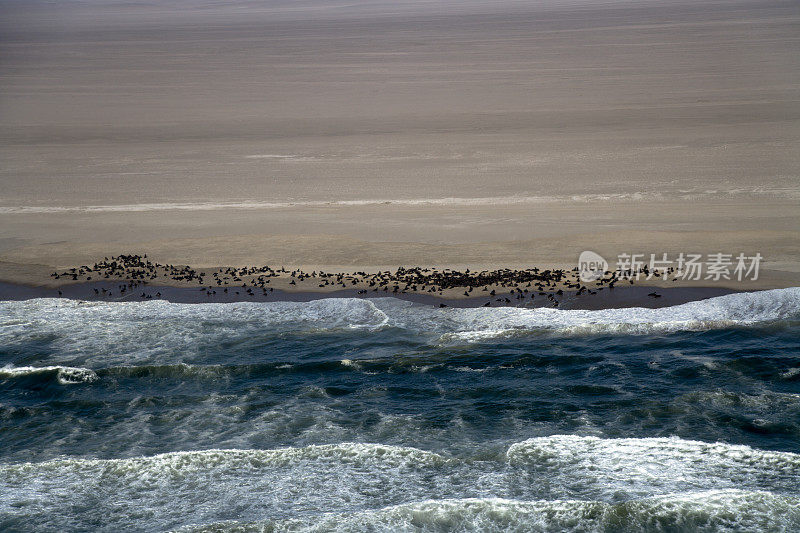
(639, 127)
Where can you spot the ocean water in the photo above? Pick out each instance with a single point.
(382, 415)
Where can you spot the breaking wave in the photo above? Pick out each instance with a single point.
(170, 464)
(732, 310)
(639, 466)
(544, 484)
(718, 511)
(125, 332)
(64, 375)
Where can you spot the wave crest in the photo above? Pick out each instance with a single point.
(637, 465)
(167, 464)
(65, 375)
(126, 332)
(721, 511)
(732, 310)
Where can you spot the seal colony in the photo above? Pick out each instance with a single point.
(130, 273)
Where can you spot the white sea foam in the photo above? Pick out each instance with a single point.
(170, 464)
(768, 401)
(722, 511)
(560, 482)
(662, 464)
(651, 464)
(65, 375)
(212, 483)
(117, 333)
(791, 373)
(739, 309)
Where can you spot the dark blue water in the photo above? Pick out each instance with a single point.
(381, 415)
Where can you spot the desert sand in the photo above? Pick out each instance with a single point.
(370, 135)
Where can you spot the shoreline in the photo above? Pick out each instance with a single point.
(613, 298)
(132, 277)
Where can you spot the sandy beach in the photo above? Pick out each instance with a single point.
(373, 136)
